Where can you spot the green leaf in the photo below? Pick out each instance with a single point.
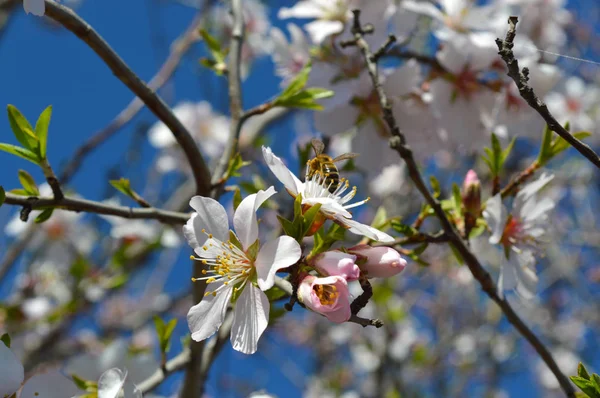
(44, 215)
(308, 218)
(122, 185)
(457, 200)
(5, 338)
(234, 239)
(546, 146)
(288, 227)
(275, 293)
(22, 129)
(235, 164)
(79, 268)
(213, 44)
(298, 207)
(596, 380)
(41, 130)
(380, 220)
(457, 255)
(20, 152)
(83, 384)
(20, 192)
(252, 251)
(586, 386)
(506, 152)
(28, 183)
(297, 83)
(2, 195)
(560, 144)
(582, 371)
(164, 332)
(435, 185)
(237, 198)
(404, 229)
(497, 151)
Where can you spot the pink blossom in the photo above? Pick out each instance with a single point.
(337, 263)
(381, 262)
(328, 296)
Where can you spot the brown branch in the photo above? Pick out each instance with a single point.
(521, 79)
(78, 205)
(512, 187)
(178, 49)
(71, 21)
(236, 108)
(15, 250)
(398, 142)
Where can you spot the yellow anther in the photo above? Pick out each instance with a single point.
(214, 294)
(210, 280)
(192, 258)
(194, 279)
(203, 272)
(204, 262)
(203, 231)
(204, 248)
(210, 236)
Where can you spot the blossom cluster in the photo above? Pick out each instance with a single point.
(238, 269)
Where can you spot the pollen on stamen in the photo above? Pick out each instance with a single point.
(194, 279)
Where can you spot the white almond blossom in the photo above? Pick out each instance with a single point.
(208, 128)
(233, 261)
(11, 374)
(49, 384)
(457, 18)
(315, 190)
(577, 105)
(289, 57)
(519, 233)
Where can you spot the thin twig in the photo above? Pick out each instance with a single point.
(512, 187)
(398, 142)
(521, 79)
(16, 249)
(178, 49)
(235, 95)
(173, 365)
(78, 205)
(70, 20)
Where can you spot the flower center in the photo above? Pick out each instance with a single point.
(573, 105)
(327, 294)
(225, 263)
(56, 231)
(513, 231)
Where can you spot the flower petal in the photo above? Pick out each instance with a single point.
(273, 256)
(12, 373)
(205, 318)
(35, 7)
(111, 382)
(362, 229)
(495, 215)
(250, 319)
(244, 219)
(211, 216)
(283, 174)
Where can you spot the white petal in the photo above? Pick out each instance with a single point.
(526, 277)
(303, 9)
(244, 219)
(365, 230)
(495, 215)
(12, 373)
(273, 256)
(250, 319)
(320, 29)
(111, 382)
(328, 206)
(205, 318)
(211, 216)
(533, 187)
(52, 384)
(35, 7)
(424, 8)
(283, 174)
(137, 393)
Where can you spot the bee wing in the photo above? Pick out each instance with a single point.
(345, 156)
(318, 146)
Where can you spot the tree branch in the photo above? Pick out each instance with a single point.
(78, 205)
(235, 94)
(521, 79)
(398, 142)
(70, 20)
(178, 49)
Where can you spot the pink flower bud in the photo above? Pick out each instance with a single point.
(471, 194)
(337, 263)
(380, 261)
(328, 296)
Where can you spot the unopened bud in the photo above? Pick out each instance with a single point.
(337, 263)
(471, 197)
(378, 262)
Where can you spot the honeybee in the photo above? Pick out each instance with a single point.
(324, 165)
